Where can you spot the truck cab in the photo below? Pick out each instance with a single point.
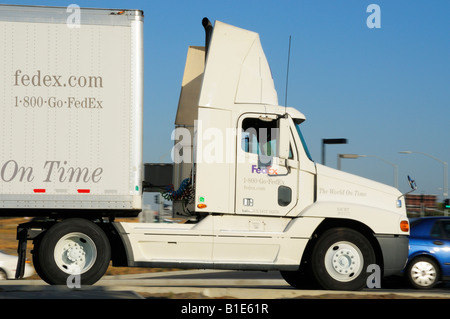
(255, 198)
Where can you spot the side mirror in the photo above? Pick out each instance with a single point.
(412, 183)
(284, 137)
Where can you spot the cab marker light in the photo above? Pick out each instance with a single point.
(404, 225)
(201, 205)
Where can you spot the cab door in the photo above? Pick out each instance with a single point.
(266, 183)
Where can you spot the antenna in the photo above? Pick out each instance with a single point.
(287, 73)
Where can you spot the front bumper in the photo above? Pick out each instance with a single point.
(395, 250)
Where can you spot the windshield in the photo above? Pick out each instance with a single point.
(305, 147)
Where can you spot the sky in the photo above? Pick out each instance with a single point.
(385, 89)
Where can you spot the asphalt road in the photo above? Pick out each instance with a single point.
(203, 284)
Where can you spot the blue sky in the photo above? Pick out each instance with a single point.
(386, 90)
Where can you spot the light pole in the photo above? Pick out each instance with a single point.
(331, 141)
(352, 156)
(395, 166)
(445, 191)
(382, 159)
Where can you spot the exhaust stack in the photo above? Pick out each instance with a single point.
(208, 33)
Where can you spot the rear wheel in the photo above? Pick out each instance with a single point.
(72, 247)
(340, 259)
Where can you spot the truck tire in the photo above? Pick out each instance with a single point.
(340, 259)
(72, 247)
(299, 279)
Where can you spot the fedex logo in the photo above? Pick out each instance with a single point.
(264, 170)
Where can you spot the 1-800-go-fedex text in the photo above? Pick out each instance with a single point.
(54, 102)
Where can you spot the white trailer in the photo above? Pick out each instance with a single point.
(71, 110)
(251, 196)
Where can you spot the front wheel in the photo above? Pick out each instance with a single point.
(340, 259)
(72, 247)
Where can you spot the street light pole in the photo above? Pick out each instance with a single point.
(395, 166)
(331, 141)
(352, 156)
(382, 159)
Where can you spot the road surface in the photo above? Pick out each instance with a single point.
(202, 284)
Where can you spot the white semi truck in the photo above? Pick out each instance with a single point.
(251, 197)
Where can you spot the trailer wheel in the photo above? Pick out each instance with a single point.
(72, 247)
(340, 259)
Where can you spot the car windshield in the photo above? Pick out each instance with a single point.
(305, 147)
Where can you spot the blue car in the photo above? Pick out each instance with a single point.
(429, 252)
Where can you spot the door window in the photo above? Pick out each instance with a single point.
(261, 137)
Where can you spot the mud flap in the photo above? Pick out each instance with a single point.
(22, 236)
